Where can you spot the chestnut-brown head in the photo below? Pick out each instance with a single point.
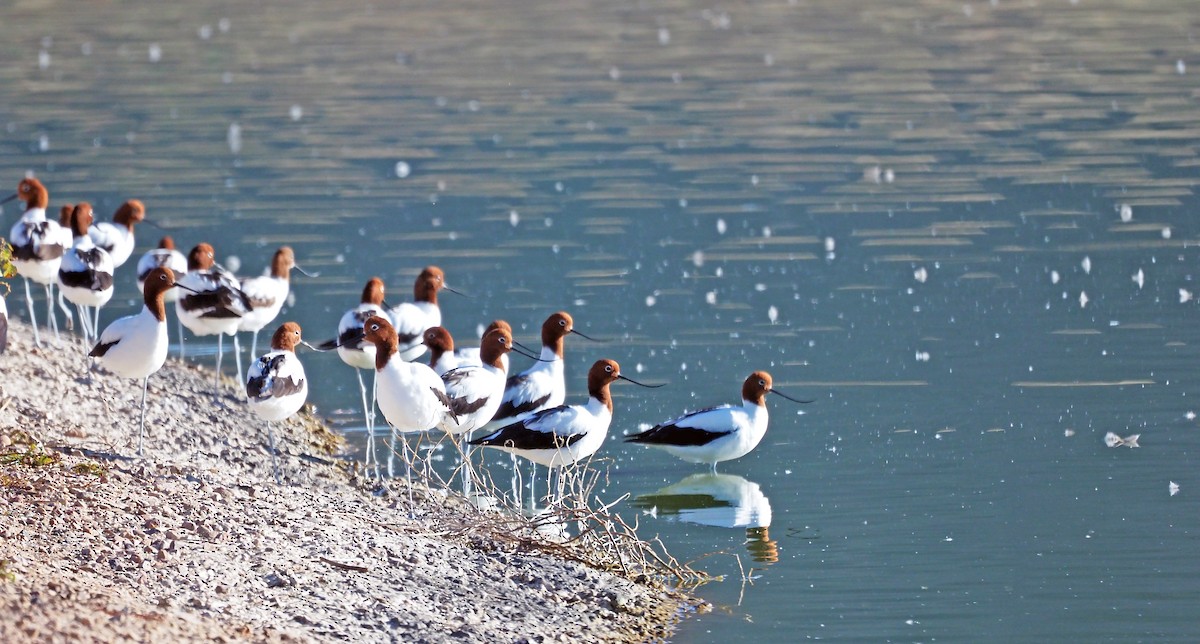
(286, 337)
(202, 257)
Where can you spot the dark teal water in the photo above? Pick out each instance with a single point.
(889, 206)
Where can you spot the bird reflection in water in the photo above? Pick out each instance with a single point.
(719, 500)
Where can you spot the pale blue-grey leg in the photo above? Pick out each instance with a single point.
(32, 318)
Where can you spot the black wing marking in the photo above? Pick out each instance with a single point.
(441, 395)
(269, 385)
(669, 434)
(101, 348)
(90, 279)
(462, 406)
(512, 408)
(519, 436)
(39, 247)
(224, 302)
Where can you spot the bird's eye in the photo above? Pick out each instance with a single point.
(608, 368)
(562, 323)
(762, 383)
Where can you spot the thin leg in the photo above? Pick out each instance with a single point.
(50, 311)
(253, 345)
(237, 353)
(142, 424)
(465, 450)
(85, 324)
(371, 417)
(391, 464)
(533, 491)
(274, 457)
(32, 318)
(96, 326)
(179, 326)
(407, 475)
(516, 480)
(362, 389)
(220, 350)
(66, 309)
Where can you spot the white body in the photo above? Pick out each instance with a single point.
(206, 281)
(33, 228)
(161, 258)
(141, 345)
(475, 382)
(411, 320)
(590, 420)
(545, 378)
(405, 396)
(284, 386)
(114, 238)
(746, 426)
(87, 259)
(267, 295)
(361, 354)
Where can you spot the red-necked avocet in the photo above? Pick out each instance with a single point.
(276, 385)
(442, 357)
(268, 293)
(475, 391)
(541, 386)
(135, 346)
(85, 275)
(470, 355)
(116, 237)
(411, 319)
(165, 256)
(358, 352)
(718, 433)
(215, 303)
(566, 434)
(37, 248)
(411, 396)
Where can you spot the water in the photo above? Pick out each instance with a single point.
(888, 206)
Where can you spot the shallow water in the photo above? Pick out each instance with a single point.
(910, 212)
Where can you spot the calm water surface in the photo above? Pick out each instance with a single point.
(911, 212)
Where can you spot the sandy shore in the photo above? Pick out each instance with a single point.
(197, 542)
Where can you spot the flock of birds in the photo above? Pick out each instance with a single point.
(460, 392)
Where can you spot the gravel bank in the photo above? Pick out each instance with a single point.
(196, 542)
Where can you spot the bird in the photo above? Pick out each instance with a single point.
(411, 319)
(716, 434)
(116, 238)
(564, 435)
(411, 396)
(442, 357)
(470, 355)
(38, 247)
(542, 385)
(165, 256)
(267, 293)
(85, 275)
(215, 304)
(135, 346)
(360, 353)
(475, 390)
(276, 385)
